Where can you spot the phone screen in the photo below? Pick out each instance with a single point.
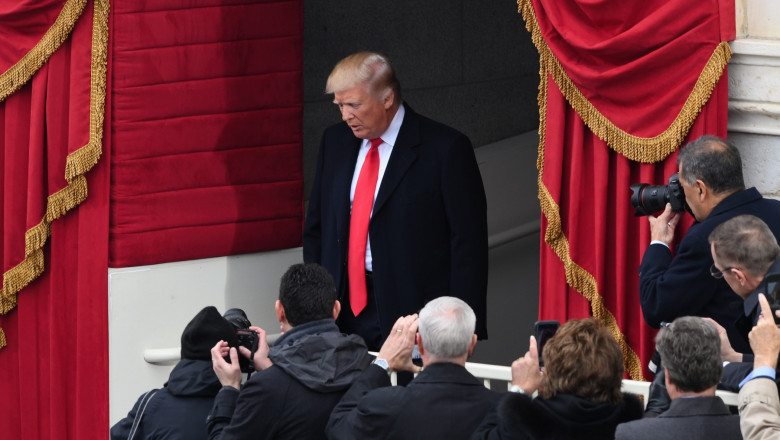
(543, 331)
(773, 293)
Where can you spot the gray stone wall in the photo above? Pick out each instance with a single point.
(467, 63)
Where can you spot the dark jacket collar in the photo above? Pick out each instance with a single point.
(735, 200)
(446, 372)
(696, 406)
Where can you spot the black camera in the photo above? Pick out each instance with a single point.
(647, 199)
(246, 338)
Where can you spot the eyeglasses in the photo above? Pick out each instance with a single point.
(718, 274)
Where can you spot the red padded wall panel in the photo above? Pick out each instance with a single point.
(206, 129)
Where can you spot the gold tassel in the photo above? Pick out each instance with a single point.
(15, 77)
(2, 338)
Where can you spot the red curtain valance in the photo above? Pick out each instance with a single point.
(637, 73)
(622, 86)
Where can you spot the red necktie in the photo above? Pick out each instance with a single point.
(358, 227)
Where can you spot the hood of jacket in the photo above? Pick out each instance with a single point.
(319, 356)
(193, 378)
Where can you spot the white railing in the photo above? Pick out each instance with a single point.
(486, 372)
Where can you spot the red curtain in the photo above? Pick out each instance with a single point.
(53, 371)
(623, 86)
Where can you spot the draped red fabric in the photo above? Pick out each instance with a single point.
(207, 129)
(54, 369)
(623, 86)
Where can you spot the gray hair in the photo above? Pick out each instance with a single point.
(690, 351)
(746, 242)
(715, 162)
(446, 325)
(368, 68)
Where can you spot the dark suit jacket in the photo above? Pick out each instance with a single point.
(443, 402)
(680, 286)
(428, 229)
(690, 418)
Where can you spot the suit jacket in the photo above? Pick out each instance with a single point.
(759, 409)
(428, 229)
(680, 286)
(691, 418)
(443, 402)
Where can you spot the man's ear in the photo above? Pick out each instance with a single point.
(280, 311)
(336, 309)
(473, 344)
(741, 276)
(418, 340)
(701, 187)
(389, 100)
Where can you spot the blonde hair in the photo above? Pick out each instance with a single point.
(369, 68)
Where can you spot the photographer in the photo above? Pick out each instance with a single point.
(301, 378)
(188, 395)
(745, 253)
(710, 172)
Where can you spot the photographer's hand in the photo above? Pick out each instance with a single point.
(261, 359)
(662, 227)
(525, 370)
(397, 349)
(229, 374)
(765, 337)
(726, 351)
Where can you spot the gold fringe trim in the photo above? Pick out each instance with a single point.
(15, 77)
(77, 164)
(576, 276)
(638, 149)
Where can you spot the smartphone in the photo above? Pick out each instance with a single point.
(543, 331)
(773, 293)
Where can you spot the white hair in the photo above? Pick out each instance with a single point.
(446, 325)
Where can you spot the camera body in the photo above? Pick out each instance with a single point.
(647, 199)
(246, 337)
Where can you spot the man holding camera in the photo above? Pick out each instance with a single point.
(301, 378)
(710, 172)
(444, 401)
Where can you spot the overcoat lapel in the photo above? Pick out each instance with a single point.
(402, 157)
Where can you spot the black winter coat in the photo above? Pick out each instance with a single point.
(177, 411)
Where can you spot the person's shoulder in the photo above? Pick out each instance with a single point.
(430, 128)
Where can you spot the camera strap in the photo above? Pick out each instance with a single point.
(141, 408)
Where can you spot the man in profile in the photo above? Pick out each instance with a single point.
(301, 378)
(397, 212)
(690, 349)
(444, 401)
(710, 172)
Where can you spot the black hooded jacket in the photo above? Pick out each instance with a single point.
(313, 366)
(177, 411)
(561, 417)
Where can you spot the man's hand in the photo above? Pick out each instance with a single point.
(765, 337)
(525, 370)
(726, 351)
(261, 360)
(229, 374)
(662, 227)
(397, 349)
